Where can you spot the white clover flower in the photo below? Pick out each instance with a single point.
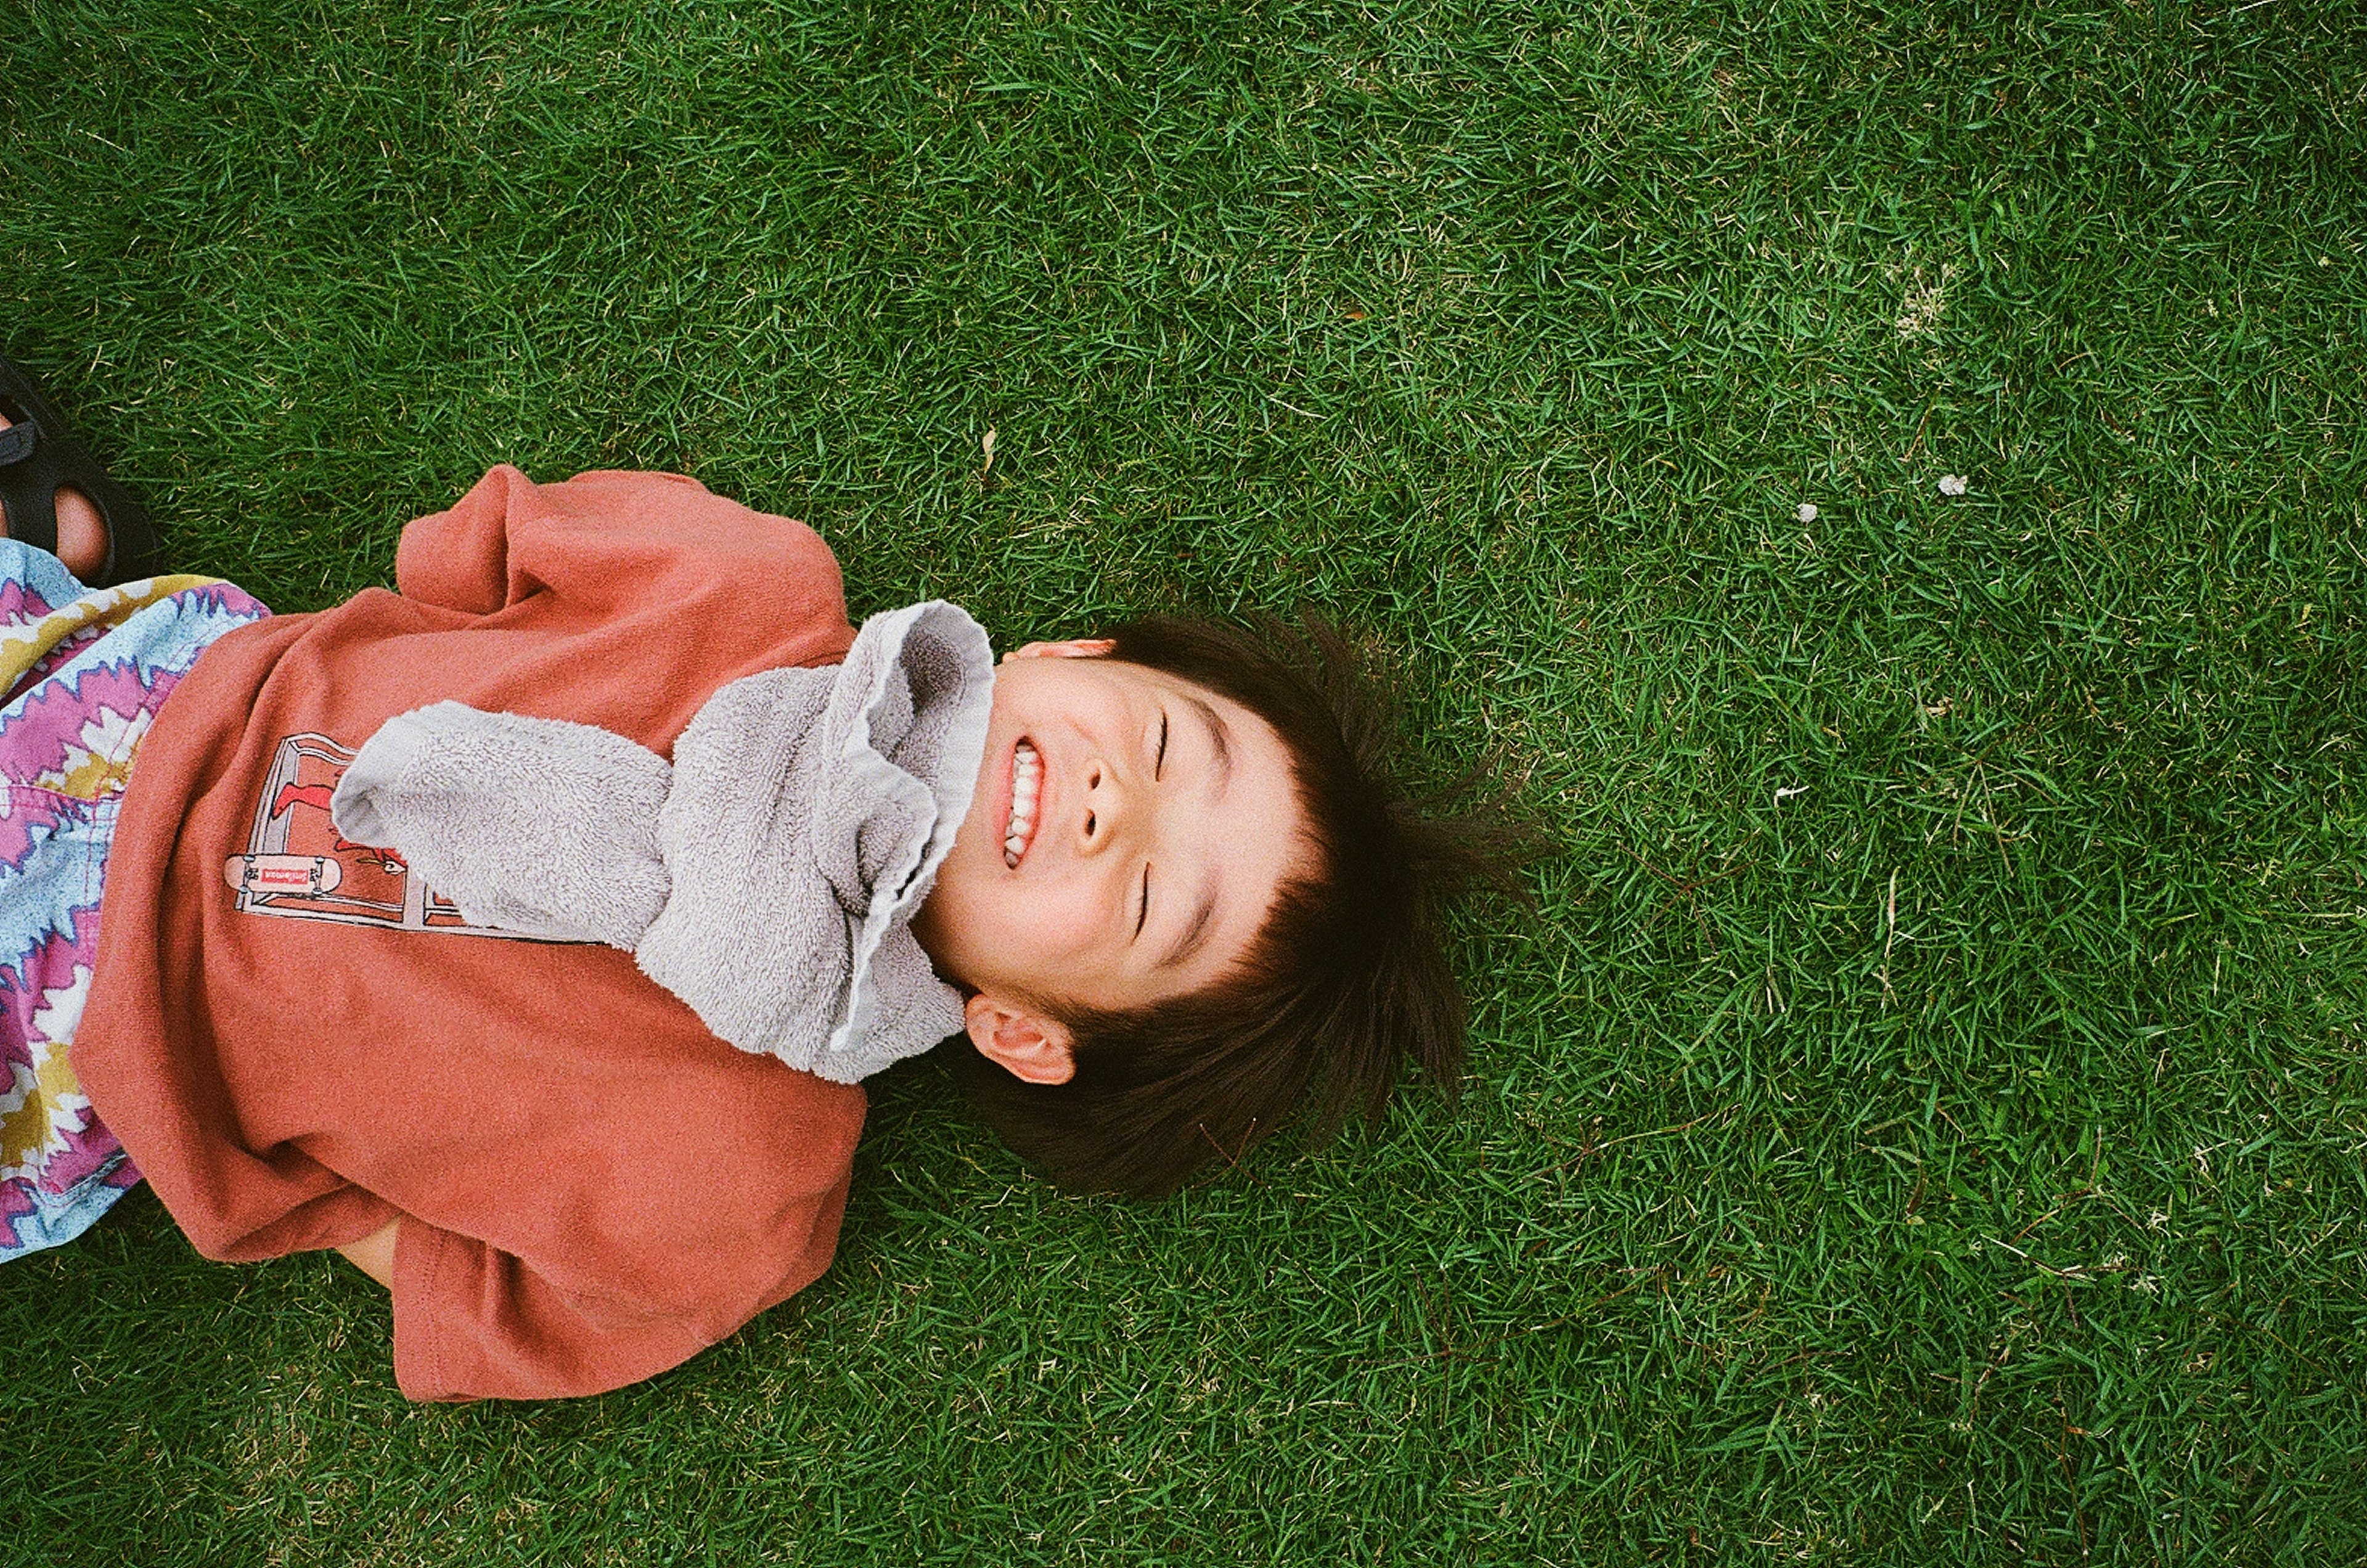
(1808, 513)
(1953, 484)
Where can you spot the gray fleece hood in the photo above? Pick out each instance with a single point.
(768, 877)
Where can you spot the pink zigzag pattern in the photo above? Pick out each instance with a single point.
(47, 728)
(38, 738)
(51, 965)
(227, 596)
(49, 712)
(19, 605)
(57, 658)
(15, 1204)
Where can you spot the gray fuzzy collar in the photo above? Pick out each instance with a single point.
(768, 877)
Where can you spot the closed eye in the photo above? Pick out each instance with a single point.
(1158, 766)
(1144, 914)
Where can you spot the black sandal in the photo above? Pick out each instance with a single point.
(37, 456)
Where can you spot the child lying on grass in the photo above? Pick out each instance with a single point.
(1173, 894)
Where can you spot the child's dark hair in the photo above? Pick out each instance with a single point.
(1346, 984)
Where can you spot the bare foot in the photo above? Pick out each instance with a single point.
(81, 531)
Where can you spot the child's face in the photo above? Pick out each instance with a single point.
(1164, 820)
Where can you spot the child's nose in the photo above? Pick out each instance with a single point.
(1108, 809)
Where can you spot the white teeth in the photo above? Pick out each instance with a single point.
(1027, 778)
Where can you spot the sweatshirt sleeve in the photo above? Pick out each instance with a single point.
(474, 1322)
(459, 558)
(606, 541)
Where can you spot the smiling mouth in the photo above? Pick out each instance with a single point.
(1026, 785)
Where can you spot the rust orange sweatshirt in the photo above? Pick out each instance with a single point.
(296, 1041)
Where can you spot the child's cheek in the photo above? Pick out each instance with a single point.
(1065, 924)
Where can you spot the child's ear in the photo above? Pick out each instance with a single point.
(1025, 1044)
(1077, 647)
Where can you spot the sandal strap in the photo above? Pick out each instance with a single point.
(30, 475)
(35, 465)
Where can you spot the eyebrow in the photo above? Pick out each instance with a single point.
(1195, 933)
(1220, 741)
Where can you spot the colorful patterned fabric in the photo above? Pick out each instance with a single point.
(84, 671)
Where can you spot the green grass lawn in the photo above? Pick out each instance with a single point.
(1922, 1119)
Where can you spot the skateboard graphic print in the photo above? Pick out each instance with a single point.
(298, 866)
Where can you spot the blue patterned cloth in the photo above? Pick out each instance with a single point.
(85, 670)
